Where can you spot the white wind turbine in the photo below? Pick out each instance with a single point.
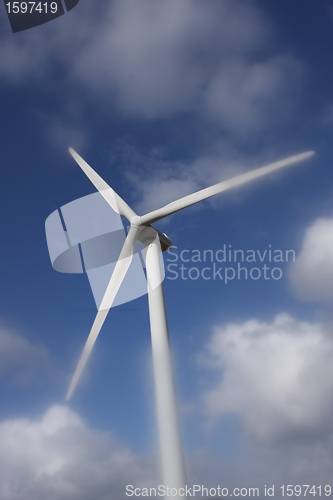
(141, 229)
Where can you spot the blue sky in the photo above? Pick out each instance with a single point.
(162, 99)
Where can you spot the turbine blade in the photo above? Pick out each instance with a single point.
(118, 275)
(203, 194)
(113, 199)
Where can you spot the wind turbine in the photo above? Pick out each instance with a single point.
(155, 242)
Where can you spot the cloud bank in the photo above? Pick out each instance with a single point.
(277, 377)
(60, 458)
(165, 59)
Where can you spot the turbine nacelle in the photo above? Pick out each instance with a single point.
(165, 241)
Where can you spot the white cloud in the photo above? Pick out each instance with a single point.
(60, 457)
(277, 377)
(161, 59)
(157, 56)
(311, 276)
(20, 360)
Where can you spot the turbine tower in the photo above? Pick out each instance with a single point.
(141, 229)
